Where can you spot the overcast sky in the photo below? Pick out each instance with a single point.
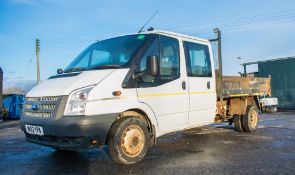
(252, 29)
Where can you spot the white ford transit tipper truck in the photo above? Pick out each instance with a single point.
(126, 91)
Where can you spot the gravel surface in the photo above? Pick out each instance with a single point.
(215, 149)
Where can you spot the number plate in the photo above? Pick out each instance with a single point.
(36, 130)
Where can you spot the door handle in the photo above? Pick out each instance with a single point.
(183, 85)
(208, 85)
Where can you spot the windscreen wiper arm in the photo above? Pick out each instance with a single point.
(107, 66)
(75, 69)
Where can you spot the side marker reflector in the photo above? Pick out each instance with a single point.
(117, 93)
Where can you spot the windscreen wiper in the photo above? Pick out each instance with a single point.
(107, 66)
(75, 69)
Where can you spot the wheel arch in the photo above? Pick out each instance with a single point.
(144, 114)
(238, 105)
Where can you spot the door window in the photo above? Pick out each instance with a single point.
(169, 58)
(167, 50)
(153, 49)
(197, 60)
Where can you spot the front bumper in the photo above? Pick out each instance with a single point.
(70, 132)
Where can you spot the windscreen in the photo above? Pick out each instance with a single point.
(110, 53)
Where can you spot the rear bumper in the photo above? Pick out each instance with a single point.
(70, 132)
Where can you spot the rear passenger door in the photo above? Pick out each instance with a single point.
(201, 82)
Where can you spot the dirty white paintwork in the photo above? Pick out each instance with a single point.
(269, 101)
(202, 99)
(65, 85)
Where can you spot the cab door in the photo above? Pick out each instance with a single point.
(201, 82)
(166, 94)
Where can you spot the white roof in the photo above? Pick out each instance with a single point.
(164, 32)
(176, 34)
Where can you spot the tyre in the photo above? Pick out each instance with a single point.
(250, 119)
(128, 140)
(4, 114)
(268, 109)
(274, 109)
(4, 117)
(238, 123)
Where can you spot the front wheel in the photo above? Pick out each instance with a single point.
(128, 140)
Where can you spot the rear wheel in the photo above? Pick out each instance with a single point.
(250, 119)
(274, 109)
(128, 140)
(238, 123)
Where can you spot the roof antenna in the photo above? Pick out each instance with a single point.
(148, 21)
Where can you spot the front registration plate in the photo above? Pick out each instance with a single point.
(36, 130)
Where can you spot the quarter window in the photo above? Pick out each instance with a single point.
(197, 60)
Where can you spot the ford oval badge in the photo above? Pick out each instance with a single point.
(35, 107)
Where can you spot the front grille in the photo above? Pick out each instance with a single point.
(39, 114)
(47, 98)
(41, 106)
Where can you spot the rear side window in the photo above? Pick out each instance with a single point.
(197, 60)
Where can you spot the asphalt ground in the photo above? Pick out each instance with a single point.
(215, 149)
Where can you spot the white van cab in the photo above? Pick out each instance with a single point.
(124, 92)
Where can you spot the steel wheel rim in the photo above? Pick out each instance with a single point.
(132, 141)
(253, 118)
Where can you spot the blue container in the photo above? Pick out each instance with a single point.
(13, 103)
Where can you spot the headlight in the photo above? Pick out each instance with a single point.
(77, 102)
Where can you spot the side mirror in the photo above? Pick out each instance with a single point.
(151, 68)
(59, 71)
(152, 65)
